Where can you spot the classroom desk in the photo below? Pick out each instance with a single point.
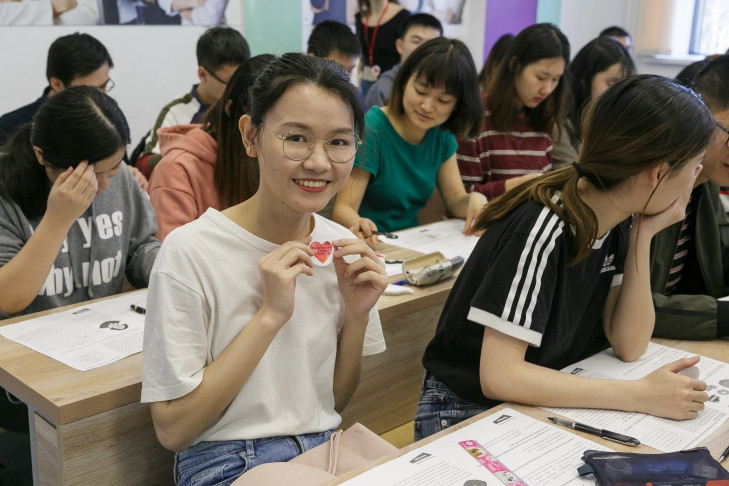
(90, 428)
(716, 442)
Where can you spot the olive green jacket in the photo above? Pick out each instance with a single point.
(700, 315)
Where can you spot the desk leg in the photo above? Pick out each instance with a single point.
(33, 444)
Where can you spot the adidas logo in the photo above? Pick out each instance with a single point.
(607, 265)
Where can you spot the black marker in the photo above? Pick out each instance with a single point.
(138, 309)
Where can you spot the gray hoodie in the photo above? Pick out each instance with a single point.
(113, 237)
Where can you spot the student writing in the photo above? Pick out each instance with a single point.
(410, 147)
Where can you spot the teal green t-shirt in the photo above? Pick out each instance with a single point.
(402, 175)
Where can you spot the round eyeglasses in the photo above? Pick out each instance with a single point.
(300, 144)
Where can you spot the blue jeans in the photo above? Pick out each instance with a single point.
(220, 463)
(440, 408)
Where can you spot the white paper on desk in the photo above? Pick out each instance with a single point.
(539, 453)
(662, 434)
(76, 337)
(443, 236)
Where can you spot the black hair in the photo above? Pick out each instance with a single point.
(687, 74)
(496, 55)
(595, 57)
(295, 68)
(219, 46)
(236, 175)
(75, 55)
(420, 19)
(712, 84)
(79, 123)
(614, 31)
(331, 35)
(534, 43)
(639, 123)
(448, 63)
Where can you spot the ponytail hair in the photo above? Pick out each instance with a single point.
(236, 174)
(79, 123)
(637, 124)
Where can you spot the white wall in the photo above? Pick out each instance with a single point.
(582, 21)
(152, 65)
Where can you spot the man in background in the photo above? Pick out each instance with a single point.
(690, 259)
(416, 30)
(335, 41)
(220, 50)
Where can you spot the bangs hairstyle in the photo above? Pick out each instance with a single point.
(597, 56)
(79, 123)
(534, 43)
(637, 124)
(295, 68)
(446, 63)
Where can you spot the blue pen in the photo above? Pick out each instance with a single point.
(400, 282)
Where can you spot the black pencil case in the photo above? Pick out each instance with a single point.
(693, 467)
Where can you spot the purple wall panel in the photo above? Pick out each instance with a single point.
(507, 17)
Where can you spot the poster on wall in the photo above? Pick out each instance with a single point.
(114, 12)
(449, 12)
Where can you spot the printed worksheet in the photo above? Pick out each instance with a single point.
(662, 434)
(87, 336)
(443, 236)
(506, 448)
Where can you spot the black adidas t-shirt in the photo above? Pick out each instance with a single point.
(519, 281)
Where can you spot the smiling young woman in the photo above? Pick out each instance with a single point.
(410, 144)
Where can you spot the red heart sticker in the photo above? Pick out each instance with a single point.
(322, 252)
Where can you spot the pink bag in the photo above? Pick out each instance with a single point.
(346, 450)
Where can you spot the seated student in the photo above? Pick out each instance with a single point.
(220, 50)
(204, 166)
(690, 260)
(600, 64)
(410, 145)
(619, 34)
(560, 268)
(416, 29)
(249, 344)
(74, 221)
(522, 105)
(496, 55)
(335, 41)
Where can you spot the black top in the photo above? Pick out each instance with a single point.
(384, 53)
(9, 122)
(519, 281)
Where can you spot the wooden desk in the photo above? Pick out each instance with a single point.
(716, 442)
(90, 428)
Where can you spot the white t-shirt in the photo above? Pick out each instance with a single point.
(204, 288)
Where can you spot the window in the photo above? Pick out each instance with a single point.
(711, 27)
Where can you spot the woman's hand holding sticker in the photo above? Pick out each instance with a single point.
(361, 282)
(279, 270)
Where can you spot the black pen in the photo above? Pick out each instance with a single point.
(138, 309)
(724, 455)
(605, 434)
(386, 234)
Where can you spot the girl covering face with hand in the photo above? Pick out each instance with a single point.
(251, 348)
(410, 145)
(73, 221)
(560, 269)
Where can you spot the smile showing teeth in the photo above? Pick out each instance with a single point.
(309, 183)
